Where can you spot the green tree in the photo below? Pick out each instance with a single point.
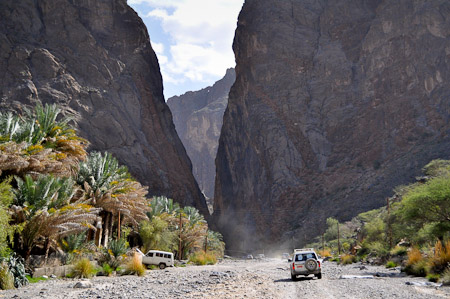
(427, 206)
(6, 198)
(331, 232)
(155, 234)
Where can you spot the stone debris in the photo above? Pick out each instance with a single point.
(83, 285)
(423, 284)
(356, 277)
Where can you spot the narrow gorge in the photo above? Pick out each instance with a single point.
(197, 116)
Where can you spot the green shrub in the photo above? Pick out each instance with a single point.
(83, 268)
(378, 249)
(433, 277)
(118, 247)
(203, 258)
(35, 279)
(399, 250)
(135, 266)
(6, 277)
(417, 269)
(347, 259)
(16, 266)
(114, 253)
(336, 259)
(391, 264)
(445, 278)
(107, 270)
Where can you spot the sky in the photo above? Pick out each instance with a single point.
(192, 40)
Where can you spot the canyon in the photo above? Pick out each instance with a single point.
(334, 103)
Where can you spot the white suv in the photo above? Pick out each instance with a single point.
(305, 262)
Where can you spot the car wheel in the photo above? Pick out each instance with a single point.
(293, 277)
(319, 276)
(162, 266)
(311, 264)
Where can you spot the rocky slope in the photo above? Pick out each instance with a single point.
(95, 60)
(197, 116)
(335, 103)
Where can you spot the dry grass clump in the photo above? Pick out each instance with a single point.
(135, 266)
(416, 264)
(414, 256)
(347, 259)
(83, 268)
(326, 252)
(203, 258)
(6, 277)
(439, 261)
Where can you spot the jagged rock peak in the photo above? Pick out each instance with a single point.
(94, 59)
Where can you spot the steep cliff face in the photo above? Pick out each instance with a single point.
(335, 103)
(95, 60)
(198, 118)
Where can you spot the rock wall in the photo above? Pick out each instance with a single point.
(94, 58)
(197, 116)
(335, 103)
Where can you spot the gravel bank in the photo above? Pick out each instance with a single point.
(239, 279)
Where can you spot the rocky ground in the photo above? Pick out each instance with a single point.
(268, 278)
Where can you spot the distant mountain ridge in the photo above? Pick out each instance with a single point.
(198, 120)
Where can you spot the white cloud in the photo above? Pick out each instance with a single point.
(200, 33)
(159, 50)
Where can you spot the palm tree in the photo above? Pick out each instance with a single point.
(215, 242)
(33, 198)
(11, 126)
(161, 204)
(57, 223)
(109, 186)
(46, 192)
(39, 143)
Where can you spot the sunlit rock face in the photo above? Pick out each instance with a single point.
(95, 60)
(334, 104)
(197, 116)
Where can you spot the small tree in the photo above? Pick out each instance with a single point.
(428, 205)
(6, 198)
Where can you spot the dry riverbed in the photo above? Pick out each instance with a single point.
(269, 278)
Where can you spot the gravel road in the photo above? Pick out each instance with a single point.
(269, 278)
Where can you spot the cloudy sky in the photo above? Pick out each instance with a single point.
(192, 39)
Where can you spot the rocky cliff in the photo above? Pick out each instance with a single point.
(335, 103)
(95, 60)
(198, 118)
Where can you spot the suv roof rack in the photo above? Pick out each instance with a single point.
(303, 249)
